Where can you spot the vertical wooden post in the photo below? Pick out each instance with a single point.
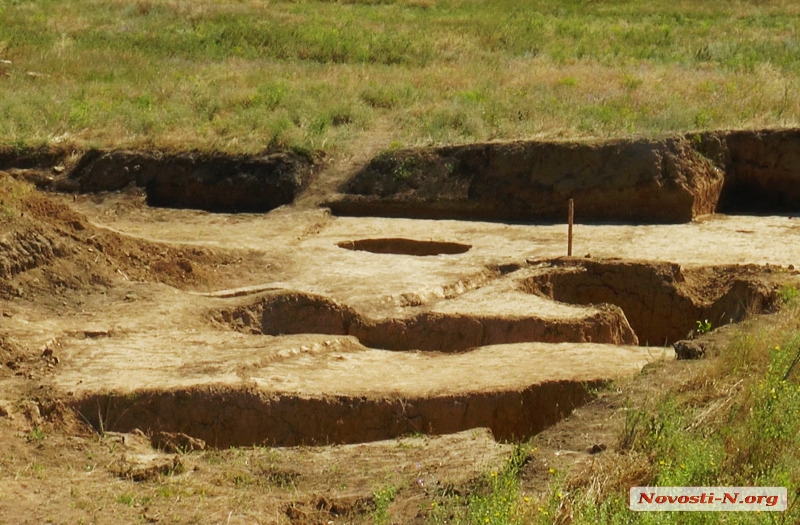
(569, 233)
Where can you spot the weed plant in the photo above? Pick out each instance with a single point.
(383, 498)
(496, 499)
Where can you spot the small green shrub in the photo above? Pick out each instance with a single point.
(703, 327)
(383, 498)
(788, 294)
(36, 434)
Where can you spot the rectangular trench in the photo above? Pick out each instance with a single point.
(229, 417)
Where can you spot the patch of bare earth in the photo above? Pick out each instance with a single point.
(186, 366)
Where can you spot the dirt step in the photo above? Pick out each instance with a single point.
(636, 181)
(365, 395)
(461, 324)
(633, 181)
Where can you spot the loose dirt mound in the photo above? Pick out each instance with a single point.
(22, 251)
(46, 246)
(662, 301)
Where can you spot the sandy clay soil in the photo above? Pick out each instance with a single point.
(169, 358)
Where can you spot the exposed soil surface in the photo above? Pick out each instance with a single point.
(661, 301)
(635, 181)
(138, 316)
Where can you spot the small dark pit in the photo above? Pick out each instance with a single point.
(405, 246)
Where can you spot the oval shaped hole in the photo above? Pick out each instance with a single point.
(401, 246)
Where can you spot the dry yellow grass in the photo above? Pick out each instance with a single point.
(245, 76)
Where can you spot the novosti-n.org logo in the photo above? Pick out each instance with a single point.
(719, 499)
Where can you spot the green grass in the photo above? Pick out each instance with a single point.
(243, 76)
(495, 500)
(383, 498)
(36, 434)
(736, 424)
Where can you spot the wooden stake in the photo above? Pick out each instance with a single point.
(569, 234)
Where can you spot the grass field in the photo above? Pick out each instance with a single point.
(241, 76)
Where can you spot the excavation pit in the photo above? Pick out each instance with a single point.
(279, 313)
(345, 393)
(662, 302)
(113, 314)
(245, 418)
(399, 246)
(211, 182)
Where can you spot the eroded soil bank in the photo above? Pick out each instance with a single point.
(670, 180)
(240, 418)
(635, 181)
(212, 182)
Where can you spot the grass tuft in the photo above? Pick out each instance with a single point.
(495, 499)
